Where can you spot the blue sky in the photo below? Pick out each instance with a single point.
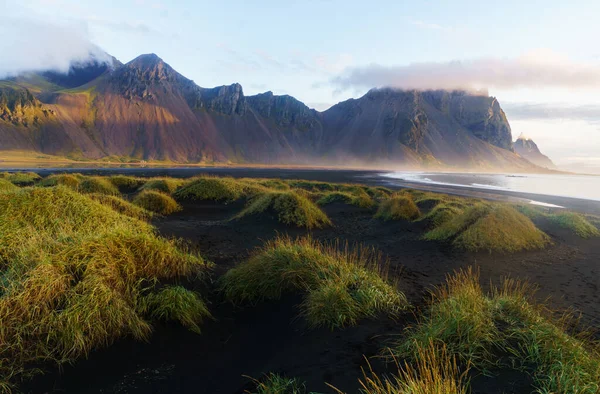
(326, 51)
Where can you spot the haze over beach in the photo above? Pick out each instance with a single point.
(545, 79)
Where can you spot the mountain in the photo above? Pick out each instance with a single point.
(145, 110)
(529, 150)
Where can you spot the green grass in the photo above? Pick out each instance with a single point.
(127, 184)
(175, 303)
(163, 185)
(398, 207)
(69, 180)
(98, 185)
(155, 201)
(340, 286)
(21, 178)
(122, 206)
(6, 186)
(575, 222)
(73, 272)
(290, 207)
(277, 384)
(490, 227)
(359, 199)
(212, 188)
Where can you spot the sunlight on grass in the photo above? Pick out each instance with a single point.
(155, 201)
(398, 207)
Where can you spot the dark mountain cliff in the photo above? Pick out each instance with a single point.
(148, 111)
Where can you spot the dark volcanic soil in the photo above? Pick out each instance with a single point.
(256, 340)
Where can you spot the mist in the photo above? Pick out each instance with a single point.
(535, 70)
(32, 45)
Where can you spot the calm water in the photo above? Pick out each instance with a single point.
(578, 186)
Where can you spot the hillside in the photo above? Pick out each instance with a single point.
(145, 110)
(528, 149)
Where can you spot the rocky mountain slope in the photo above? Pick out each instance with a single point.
(528, 149)
(145, 110)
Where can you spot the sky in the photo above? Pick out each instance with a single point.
(541, 59)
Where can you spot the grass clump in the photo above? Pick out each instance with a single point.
(98, 185)
(398, 207)
(155, 201)
(360, 199)
(127, 184)
(291, 208)
(340, 287)
(122, 206)
(490, 227)
(73, 273)
(176, 303)
(21, 178)
(163, 185)
(69, 180)
(575, 222)
(212, 188)
(6, 186)
(277, 384)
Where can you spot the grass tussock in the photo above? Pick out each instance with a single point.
(6, 186)
(490, 227)
(73, 274)
(212, 188)
(21, 178)
(71, 181)
(163, 185)
(340, 286)
(360, 199)
(398, 207)
(122, 206)
(434, 371)
(505, 329)
(290, 207)
(127, 184)
(98, 185)
(278, 384)
(575, 222)
(157, 202)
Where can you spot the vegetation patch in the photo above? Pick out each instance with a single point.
(122, 206)
(490, 227)
(398, 207)
(98, 185)
(212, 188)
(163, 185)
(575, 222)
(127, 184)
(73, 274)
(277, 384)
(359, 199)
(291, 208)
(340, 286)
(71, 181)
(6, 185)
(155, 201)
(21, 178)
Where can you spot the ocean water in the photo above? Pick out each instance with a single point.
(577, 186)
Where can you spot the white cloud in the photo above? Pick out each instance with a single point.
(33, 45)
(536, 69)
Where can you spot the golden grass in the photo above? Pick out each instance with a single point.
(290, 207)
(155, 201)
(398, 207)
(69, 180)
(340, 286)
(6, 185)
(98, 185)
(73, 273)
(163, 185)
(122, 206)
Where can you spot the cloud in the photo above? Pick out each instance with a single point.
(32, 45)
(536, 70)
(541, 111)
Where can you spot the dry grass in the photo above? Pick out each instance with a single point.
(157, 202)
(340, 286)
(290, 207)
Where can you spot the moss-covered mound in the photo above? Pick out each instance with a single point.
(98, 185)
(339, 287)
(398, 207)
(157, 202)
(290, 207)
(73, 274)
(490, 227)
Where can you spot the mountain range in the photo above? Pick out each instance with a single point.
(528, 149)
(145, 110)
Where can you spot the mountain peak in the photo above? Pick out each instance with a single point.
(146, 61)
(523, 137)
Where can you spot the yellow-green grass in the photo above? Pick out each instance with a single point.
(163, 185)
(212, 188)
(155, 201)
(127, 184)
(21, 178)
(6, 186)
(122, 206)
(433, 371)
(340, 286)
(278, 384)
(505, 329)
(443, 212)
(99, 185)
(73, 273)
(175, 303)
(580, 224)
(359, 199)
(290, 207)
(398, 207)
(490, 227)
(69, 180)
